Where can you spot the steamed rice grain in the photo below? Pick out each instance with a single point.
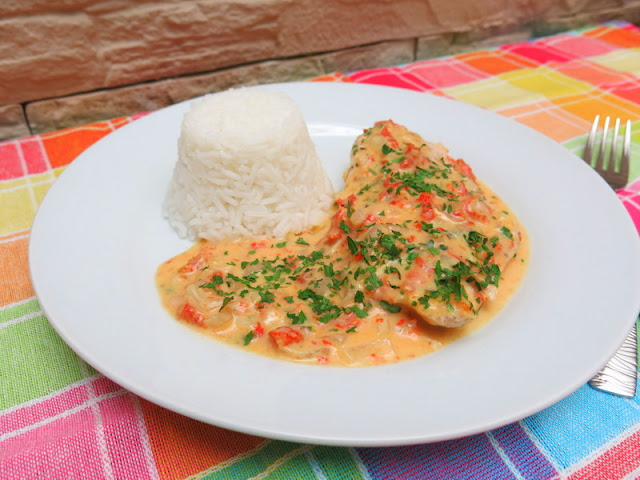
(246, 167)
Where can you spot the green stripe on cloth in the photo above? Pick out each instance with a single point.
(34, 361)
(20, 310)
(261, 462)
(336, 462)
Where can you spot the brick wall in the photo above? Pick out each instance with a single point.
(68, 62)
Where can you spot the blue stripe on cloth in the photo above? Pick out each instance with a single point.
(577, 426)
(522, 453)
(468, 458)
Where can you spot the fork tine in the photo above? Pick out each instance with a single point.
(612, 165)
(626, 152)
(605, 130)
(614, 170)
(588, 149)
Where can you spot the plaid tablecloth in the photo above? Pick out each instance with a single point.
(59, 418)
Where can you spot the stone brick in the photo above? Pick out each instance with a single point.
(379, 55)
(467, 41)
(13, 123)
(74, 45)
(14, 8)
(47, 55)
(434, 46)
(555, 24)
(317, 26)
(54, 114)
(169, 50)
(57, 113)
(260, 73)
(163, 40)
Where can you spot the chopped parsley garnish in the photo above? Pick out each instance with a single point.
(386, 149)
(248, 337)
(297, 319)
(389, 307)
(266, 296)
(353, 246)
(360, 312)
(507, 233)
(225, 301)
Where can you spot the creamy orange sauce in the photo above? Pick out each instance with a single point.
(415, 254)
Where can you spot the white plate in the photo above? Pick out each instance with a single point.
(99, 236)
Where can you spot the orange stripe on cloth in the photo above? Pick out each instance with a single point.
(623, 37)
(12, 235)
(63, 146)
(15, 283)
(332, 77)
(588, 105)
(183, 447)
(495, 62)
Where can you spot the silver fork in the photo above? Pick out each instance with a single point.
(619, 375)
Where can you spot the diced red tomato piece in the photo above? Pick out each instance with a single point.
(194, 263)
(427, 213)
(393, 143)
(259, 330)
(369, 219)
(189, 314)
(242, 306)
(347, 321)
(284, 336)
(425, 197)
(463, 168)
(476, 209)
(335, 232)
(459, 188)
(407, 163)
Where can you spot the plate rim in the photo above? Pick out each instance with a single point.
(118, 377)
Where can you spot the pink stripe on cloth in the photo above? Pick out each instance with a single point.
(10, 166)
(448, 72)
(38, 411)
(630, 196)
(61, 449)
(538, 52)
(391, 77)
(92, 430)
(579, 45)
(618, 462)
(34, 155)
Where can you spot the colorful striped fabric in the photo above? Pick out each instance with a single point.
(59, 418)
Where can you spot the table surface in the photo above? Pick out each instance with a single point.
(59, 418)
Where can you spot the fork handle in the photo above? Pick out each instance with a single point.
(620, 374)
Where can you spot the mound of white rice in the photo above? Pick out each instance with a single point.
(246, 168)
